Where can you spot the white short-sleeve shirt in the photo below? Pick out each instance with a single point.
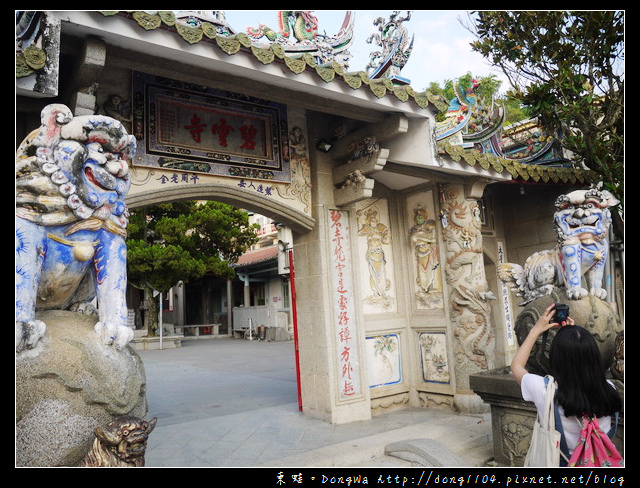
(534, 390)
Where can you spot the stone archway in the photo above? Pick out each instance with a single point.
(144, 192)
(141, 195)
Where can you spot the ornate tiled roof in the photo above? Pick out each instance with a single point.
(232, 43)
(224, 38)
(520, 171)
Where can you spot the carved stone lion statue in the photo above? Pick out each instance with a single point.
(72, 177)
(365, 148)
(582, 220)
(121, 444)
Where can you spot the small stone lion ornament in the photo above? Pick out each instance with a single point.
(365, 148)
(121, 444)
(72, 177)
(582, 220)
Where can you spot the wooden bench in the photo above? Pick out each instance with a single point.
(212, 329)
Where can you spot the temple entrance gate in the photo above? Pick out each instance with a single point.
(393, 305)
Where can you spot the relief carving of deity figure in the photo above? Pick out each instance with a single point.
(377, 234)
(425, 243)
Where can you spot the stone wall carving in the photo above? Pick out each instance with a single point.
(468, 289)
(374, 249)
(425, 248)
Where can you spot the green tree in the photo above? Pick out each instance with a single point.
(567, 68)
(184, 240)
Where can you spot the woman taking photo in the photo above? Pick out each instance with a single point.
(577, 366)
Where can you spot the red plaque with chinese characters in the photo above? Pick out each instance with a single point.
(186, 127)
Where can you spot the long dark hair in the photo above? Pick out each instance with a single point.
(576, 364)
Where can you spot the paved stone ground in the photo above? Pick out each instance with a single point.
(233, 403)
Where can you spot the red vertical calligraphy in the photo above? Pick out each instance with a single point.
(248, 134)
(343, 305)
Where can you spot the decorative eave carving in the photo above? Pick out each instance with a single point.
(351, 178)
(367, 165)
(389, 128)
(349, 194)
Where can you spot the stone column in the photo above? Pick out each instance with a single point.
(246, 290)
(92, 62)
(473, 336)
(326, 343)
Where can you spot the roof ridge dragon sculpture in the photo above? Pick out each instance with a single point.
(298, 34)
(393, 38)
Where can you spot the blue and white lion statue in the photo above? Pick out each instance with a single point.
(582, 220)
(72, 176)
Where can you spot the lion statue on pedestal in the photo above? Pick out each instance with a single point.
(72, 177)
(582, 222)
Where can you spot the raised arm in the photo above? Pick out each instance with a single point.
(543, 324)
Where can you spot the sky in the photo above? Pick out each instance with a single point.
(441, 48)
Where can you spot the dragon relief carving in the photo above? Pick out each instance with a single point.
(72, 177)
(293, 26)
(476, 340)
(582, 220)
(464, 268)
(462, 231)
(298, 34)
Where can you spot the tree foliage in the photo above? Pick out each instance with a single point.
(567, 68)
(184, 240)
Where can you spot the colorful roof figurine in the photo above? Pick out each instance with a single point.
(525, 142)
(471, 124)
(297, 32)
(205, 19)
(458, 114)
(393, 38)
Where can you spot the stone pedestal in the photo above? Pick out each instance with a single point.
(68, 385)
(512, 418)
(142, 342)
(595, 315)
